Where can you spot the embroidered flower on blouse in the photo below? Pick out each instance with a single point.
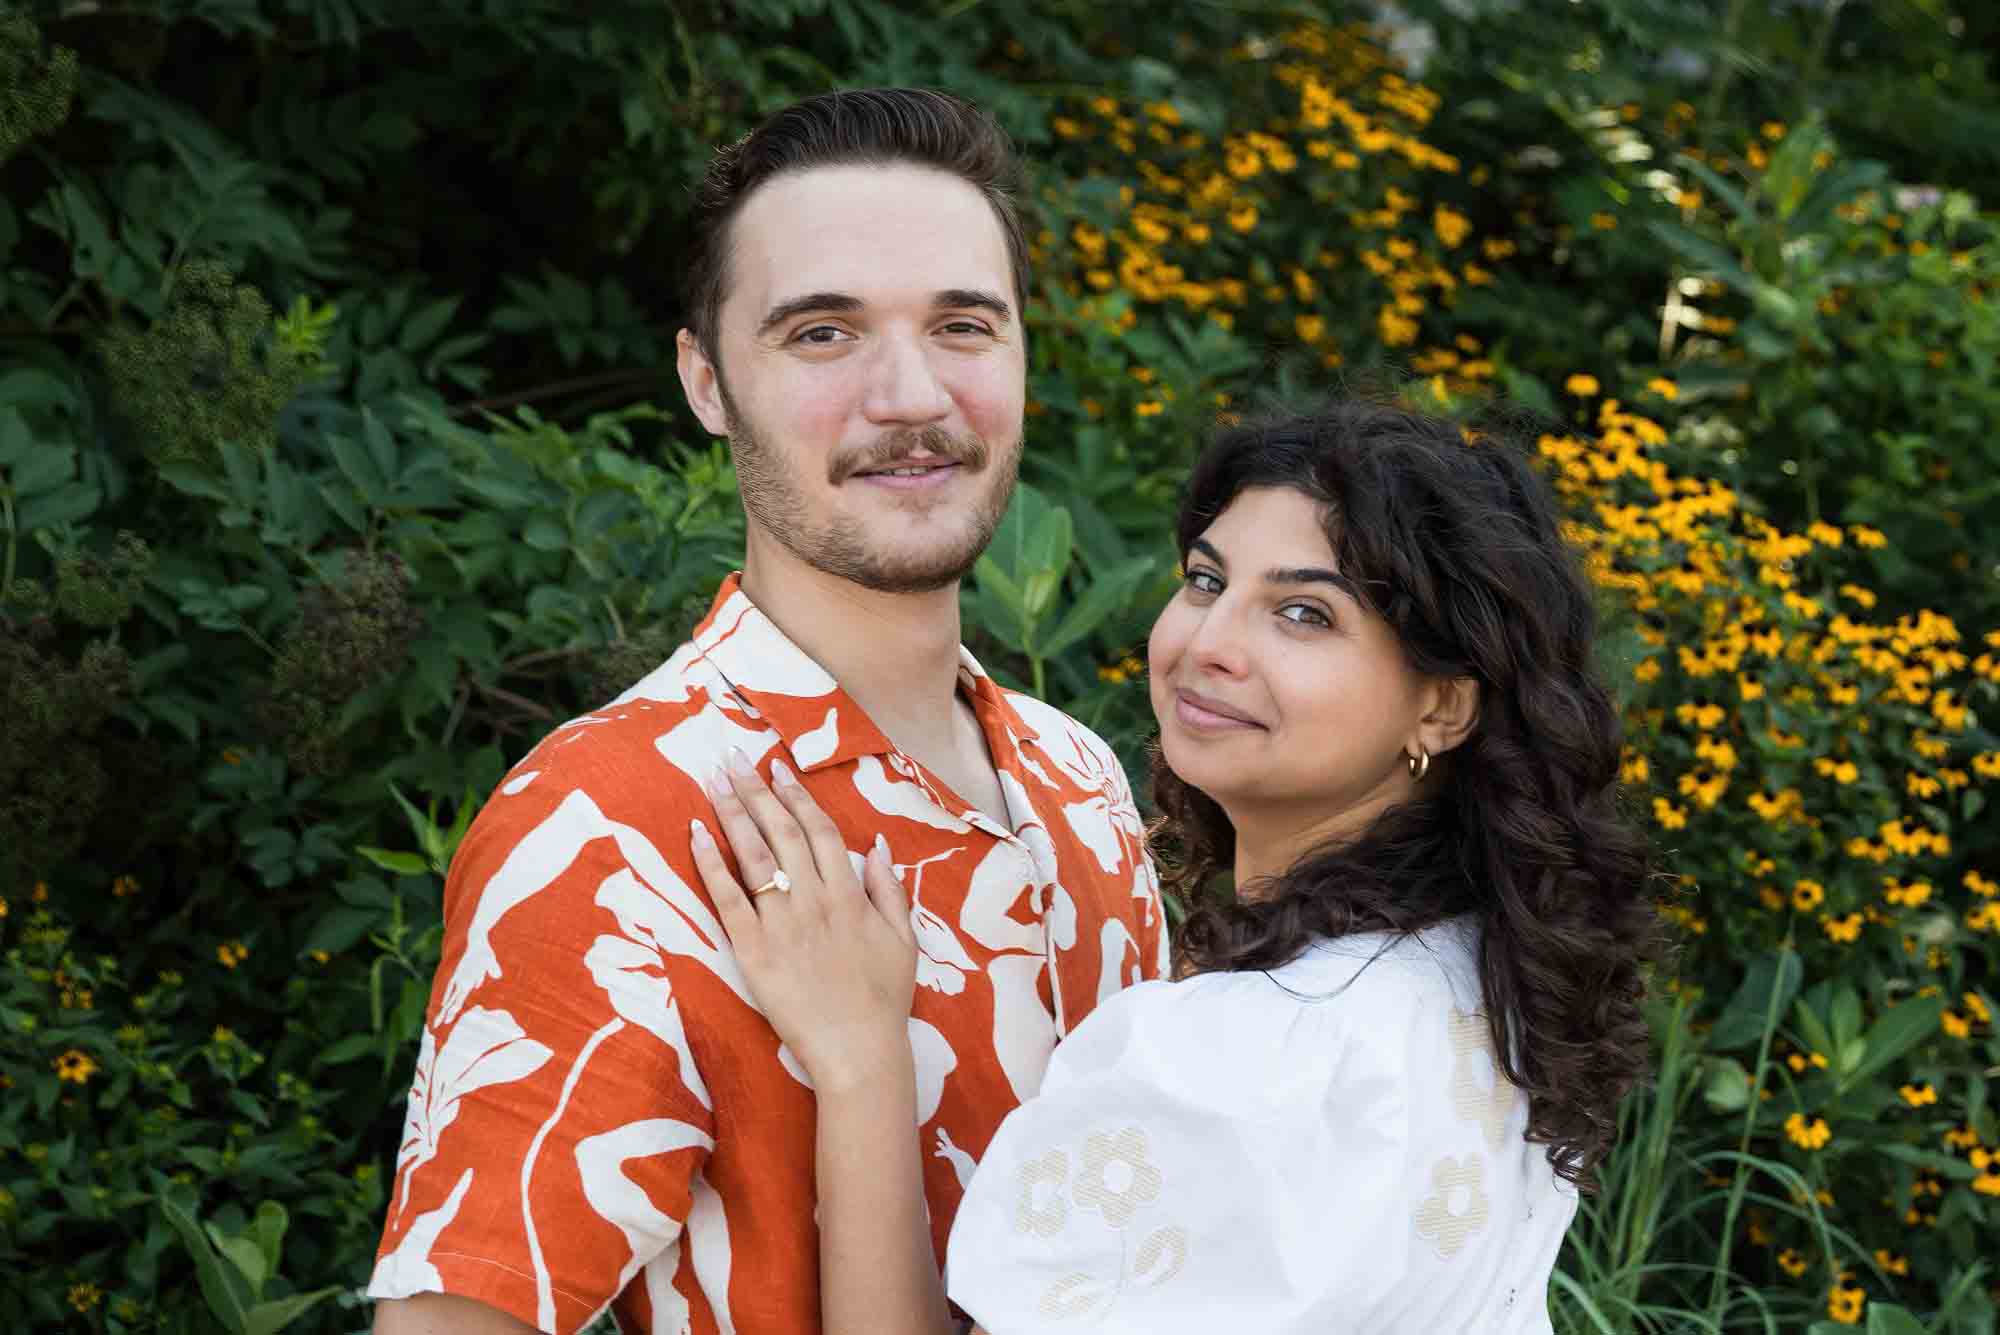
(1457, 1207)
(1117, 1177)
(1042, 1212)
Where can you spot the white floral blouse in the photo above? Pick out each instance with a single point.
(1325, 1147)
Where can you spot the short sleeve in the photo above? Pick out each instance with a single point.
(1217, 1154)
(557, 1120)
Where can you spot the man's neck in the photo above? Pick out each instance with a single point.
(896, 654)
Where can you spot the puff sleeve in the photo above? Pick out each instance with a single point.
(1212, 1154)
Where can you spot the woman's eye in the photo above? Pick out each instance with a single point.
(1307, 614)
(1204, 581)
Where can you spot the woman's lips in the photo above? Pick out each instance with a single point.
(1204, 714)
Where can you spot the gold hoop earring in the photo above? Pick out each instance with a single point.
(1420, 763)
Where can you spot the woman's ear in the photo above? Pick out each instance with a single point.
(1451, 713)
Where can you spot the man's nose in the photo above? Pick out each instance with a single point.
(905, 387)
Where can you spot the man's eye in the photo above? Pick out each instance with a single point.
(819, 333)
(965, 327)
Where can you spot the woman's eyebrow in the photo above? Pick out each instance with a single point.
(1288, 574)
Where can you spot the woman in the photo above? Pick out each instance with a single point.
(1384, 1069)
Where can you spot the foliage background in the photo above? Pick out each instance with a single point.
(340, 457)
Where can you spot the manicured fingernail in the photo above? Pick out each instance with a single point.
(717, 784)
(880, 850)
(700, 834)
(740, 764)
(783, 774)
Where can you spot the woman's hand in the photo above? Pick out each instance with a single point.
(833, 959)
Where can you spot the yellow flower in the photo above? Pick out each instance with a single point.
(76, 1067)
(1867, 537)
(1604, 222)
(1663, 387)
(83, 1297)
(1807, 895)
(1791, 1262)
(1243, 217)
(1977, 1005)
(1918, 1096)
(1808, 1135)
(1911, 895)
(1668, 815)
(123, 886)
(1980, 886)
(232, 953)
(1451, 227)
(1845, 1303)
(1647, 669)
(1310, 328)
(1145, 408)
(1842, 929)
(1954, 1024)
(1581, 385)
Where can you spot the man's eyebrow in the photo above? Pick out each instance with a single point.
(812, 301)
(959, 298)
(951, 298)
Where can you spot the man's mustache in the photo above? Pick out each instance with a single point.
(897, 446)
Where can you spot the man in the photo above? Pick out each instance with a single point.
(600, 1117)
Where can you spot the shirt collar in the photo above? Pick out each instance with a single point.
(820, 723)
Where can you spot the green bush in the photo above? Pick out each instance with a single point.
(338, 462)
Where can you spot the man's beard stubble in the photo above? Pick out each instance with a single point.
(842, 547)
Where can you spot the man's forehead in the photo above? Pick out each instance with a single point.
(875, 232)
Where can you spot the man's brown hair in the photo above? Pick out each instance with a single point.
(870, 127)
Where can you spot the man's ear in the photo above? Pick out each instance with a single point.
(701, 382)
(1451, 713)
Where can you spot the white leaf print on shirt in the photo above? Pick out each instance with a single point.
(543, 855)
(671, 1313)
(1024, 1034)
(811, 747)
(634, 978)
(670, 682)
(1119, 953)
(756, 655)
(710, 1252)
(998, 884)
(935, 1060)
(408, 1269)
(662, 913)
(894, 797)
(623, 1203)
(698, 743)
(484, 1048)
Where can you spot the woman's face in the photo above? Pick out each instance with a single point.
(1278, 694)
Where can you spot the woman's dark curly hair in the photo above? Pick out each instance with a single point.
(1457, 543)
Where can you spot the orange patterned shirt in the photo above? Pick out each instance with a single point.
(601, 1118)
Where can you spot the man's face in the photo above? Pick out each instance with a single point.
(872, 372)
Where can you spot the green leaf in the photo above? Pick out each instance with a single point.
(1899, 1029)
(1012, 548)
(352, 1048)
(59, 507)
(1701, 253)
(244, 1253)
(16, 441)
(45, 468)
(1742, 1020)
(1889, 1319)
(997, 584)
(403, 864)
(545, 534)
(1105, 595)
(267, 1230)
(222, 1286)
(281, 1312)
